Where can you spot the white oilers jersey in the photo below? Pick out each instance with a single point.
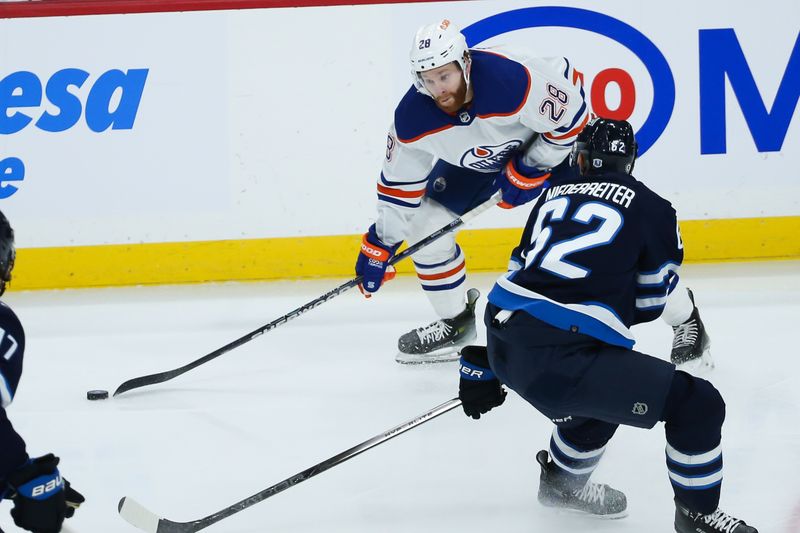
(520, 102)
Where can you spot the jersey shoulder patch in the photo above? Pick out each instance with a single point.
(501, 85)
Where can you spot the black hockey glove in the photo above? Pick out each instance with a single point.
(42, 498)
(479, 389)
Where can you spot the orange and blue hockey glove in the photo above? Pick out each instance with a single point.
(520, 183)
(373, 262)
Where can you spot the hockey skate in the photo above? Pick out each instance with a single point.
(440, 341)
(719, 521)
(556, 490)
(690, 343)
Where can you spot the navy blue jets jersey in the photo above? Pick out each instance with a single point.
(598, 255)
(12, 348)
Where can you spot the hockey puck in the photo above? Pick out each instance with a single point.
(97, 395)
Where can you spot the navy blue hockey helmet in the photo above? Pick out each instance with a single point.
(607, 146)
(7, 252)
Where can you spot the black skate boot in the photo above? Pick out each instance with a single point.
(719, 521)
(690, 341)
(440, 341)
(556, 489)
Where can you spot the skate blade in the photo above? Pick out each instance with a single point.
(443, 355)
(700, 366)
(578, 512)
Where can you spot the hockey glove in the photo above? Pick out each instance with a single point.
(520, 183)
(479, 389)
(373, 262)
(42, 498)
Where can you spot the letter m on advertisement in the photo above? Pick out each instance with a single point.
(721, 55)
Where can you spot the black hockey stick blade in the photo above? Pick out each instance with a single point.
(138, 516)
(161, 377)
(152, 379)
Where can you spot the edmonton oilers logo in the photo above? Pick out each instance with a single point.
(489, 158)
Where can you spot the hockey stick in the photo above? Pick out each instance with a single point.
(138, 516)
(161, 377)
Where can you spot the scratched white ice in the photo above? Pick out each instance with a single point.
(327, 380)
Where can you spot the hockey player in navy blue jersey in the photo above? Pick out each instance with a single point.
(599, 254)
(475, 121)
(42, 498)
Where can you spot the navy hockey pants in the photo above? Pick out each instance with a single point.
(587, 388)
(460, 189)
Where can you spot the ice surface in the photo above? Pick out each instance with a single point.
(328, 380)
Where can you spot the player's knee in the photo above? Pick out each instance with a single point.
(587, 434)
(713, 402)
(435, 253)
(693, 401)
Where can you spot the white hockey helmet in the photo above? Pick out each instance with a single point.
(436, 45)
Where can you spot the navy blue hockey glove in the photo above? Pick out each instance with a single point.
(520, 183)
(479, 389)
(373, 262)
(42, 498)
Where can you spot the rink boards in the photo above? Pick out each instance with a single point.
(245, 143)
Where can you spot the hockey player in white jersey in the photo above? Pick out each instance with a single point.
(475, 121)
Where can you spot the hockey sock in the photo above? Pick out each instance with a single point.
(679, 306)
(694, 413)
(443, 284)
(577, 461)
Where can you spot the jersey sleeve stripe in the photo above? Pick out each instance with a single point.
(577, 76)
(658, 277)
(573, 75)
(572, 133)
(575, 120)
(650, 304)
